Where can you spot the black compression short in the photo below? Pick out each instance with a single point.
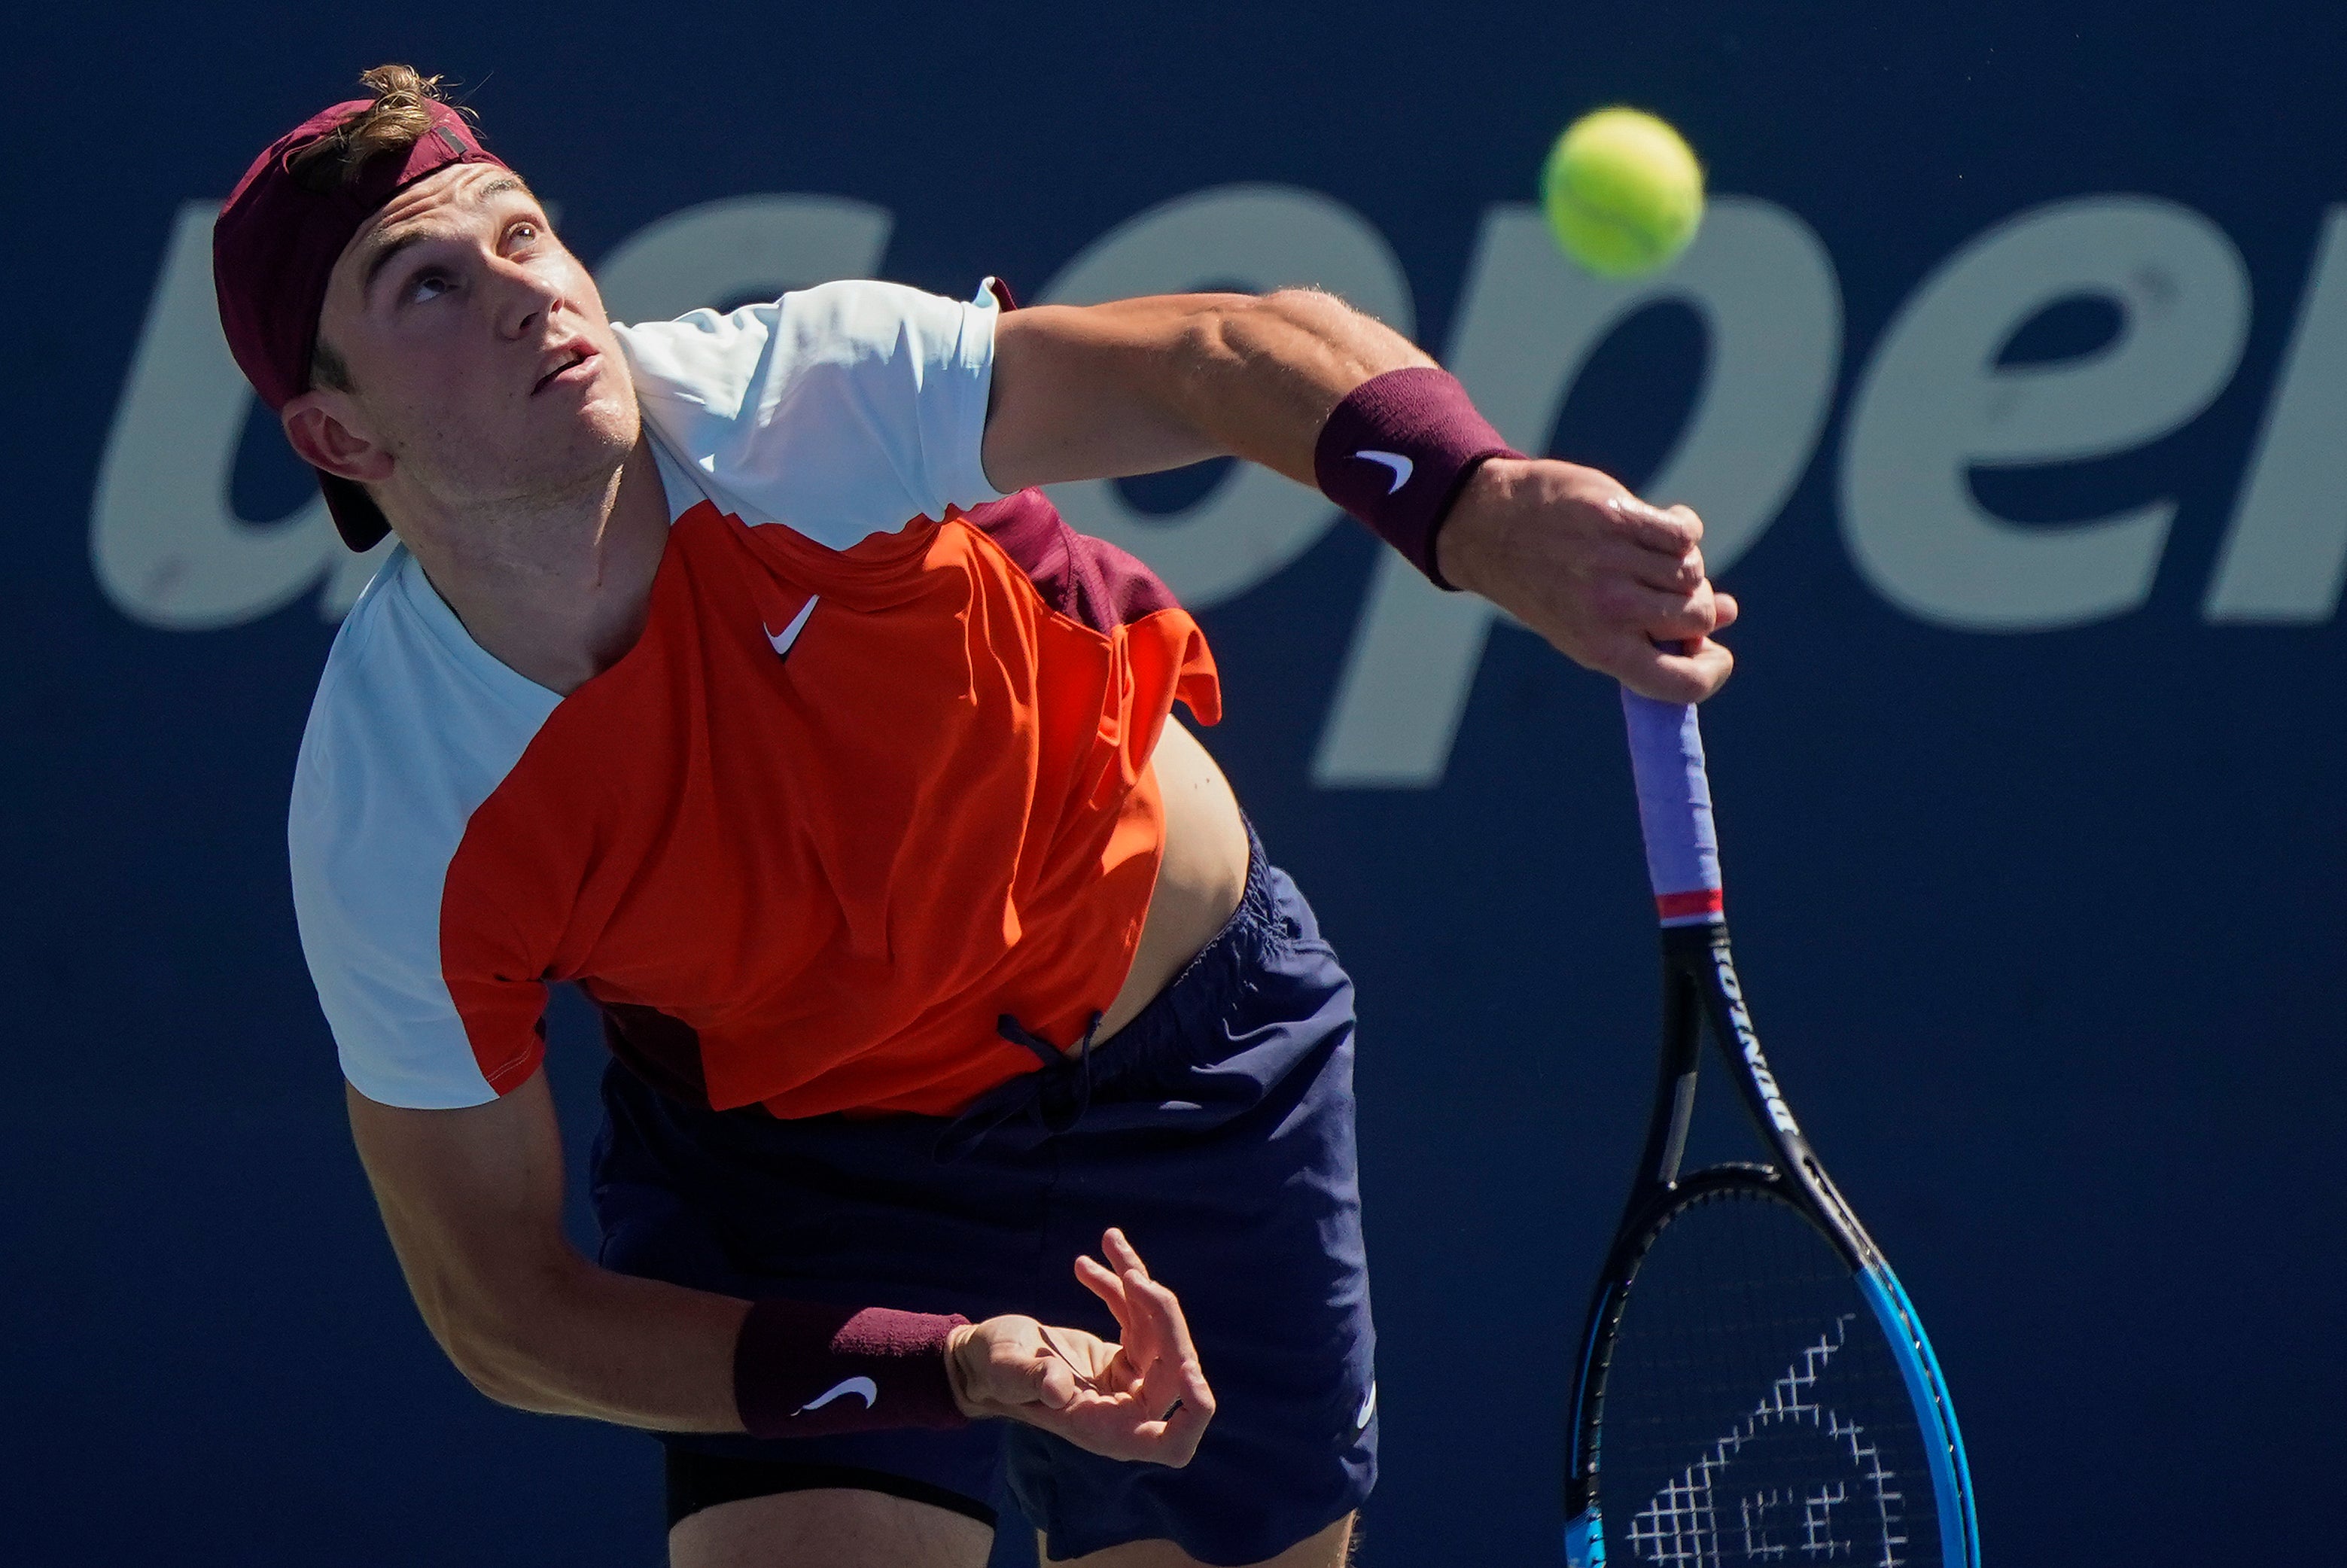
(698, 1480)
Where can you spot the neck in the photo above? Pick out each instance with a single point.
(558, 589)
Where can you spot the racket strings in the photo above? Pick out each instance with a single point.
(1753, 1413)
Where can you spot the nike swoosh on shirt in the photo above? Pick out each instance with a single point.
(863, 1388)
(789, 634)
(1400, 465)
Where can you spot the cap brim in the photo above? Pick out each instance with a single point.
(356, 517)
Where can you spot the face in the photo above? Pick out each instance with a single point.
(485, 375)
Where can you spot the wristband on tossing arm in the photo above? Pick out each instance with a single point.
(801, 1370)
(1397, 452)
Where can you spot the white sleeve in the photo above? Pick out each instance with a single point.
(404, 742)
(840, 410)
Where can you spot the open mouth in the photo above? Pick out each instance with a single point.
(567, 362)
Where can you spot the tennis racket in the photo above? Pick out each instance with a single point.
(1754, 1387)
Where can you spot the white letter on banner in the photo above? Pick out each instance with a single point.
(2286, 552)
(1251, 237)
(1935, 405)
(164, 546)
(720, 251)
(1764, 285)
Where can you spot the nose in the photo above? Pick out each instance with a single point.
(524, 298)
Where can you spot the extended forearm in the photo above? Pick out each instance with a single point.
(562, 1336)
(1262, 373)
(1299, 381)
(472, 1199)
(573, 1339)
(1145, 384)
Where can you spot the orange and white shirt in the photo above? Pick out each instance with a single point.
(875, 774)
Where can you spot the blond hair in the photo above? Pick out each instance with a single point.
(394, 123)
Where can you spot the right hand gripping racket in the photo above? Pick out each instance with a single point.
(1754, 1387)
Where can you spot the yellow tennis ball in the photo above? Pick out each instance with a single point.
(1623, 192)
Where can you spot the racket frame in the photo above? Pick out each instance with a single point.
(1700, 986)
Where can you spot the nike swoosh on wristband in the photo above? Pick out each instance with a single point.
(789, 634)
(865, 1388)
(1400, 465)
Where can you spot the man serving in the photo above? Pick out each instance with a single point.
(733, 668)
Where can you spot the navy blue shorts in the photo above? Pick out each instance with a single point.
(1216, 1128)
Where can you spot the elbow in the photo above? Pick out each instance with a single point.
(492, 1368)
(492, 1341)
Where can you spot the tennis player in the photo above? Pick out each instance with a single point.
(732, 668)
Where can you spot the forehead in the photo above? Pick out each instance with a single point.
(440, 202)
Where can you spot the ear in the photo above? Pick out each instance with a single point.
(323, 427)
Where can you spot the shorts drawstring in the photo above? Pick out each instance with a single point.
(1051, 1100)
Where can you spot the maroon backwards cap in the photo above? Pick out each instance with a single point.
(276, 243)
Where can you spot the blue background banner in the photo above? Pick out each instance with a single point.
(2010, 370)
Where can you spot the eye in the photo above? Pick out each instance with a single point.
(524, 233)
(429, 284)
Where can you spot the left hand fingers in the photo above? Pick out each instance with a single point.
(1681, 617)
(1685, 514)
(1667, 557)
(1649, 527)
(1677, 674)
(1682, 576)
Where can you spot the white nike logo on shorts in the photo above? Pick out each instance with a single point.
(1369, 1409)
(1400, 465)
(789, 634)
(865, 1388)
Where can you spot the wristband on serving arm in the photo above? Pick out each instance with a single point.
(1397, 452)
(801, 1370)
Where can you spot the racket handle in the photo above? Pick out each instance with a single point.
(1673, 809)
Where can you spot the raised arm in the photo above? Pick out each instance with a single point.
(1136, 386)
(472, 1201)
